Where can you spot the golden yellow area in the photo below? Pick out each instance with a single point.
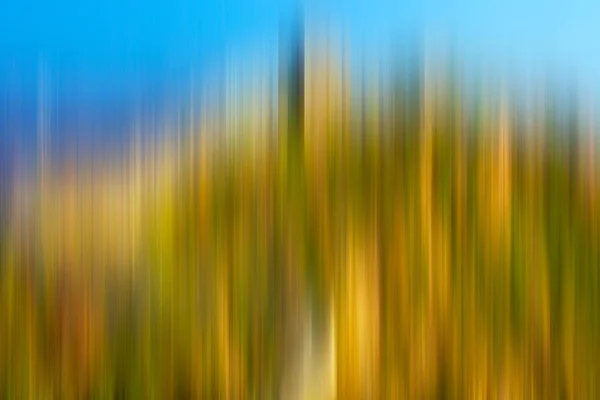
(422, 252)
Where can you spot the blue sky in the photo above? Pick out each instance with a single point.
(105, 57)
(122, 43)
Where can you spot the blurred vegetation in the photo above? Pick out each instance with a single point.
(450, 253)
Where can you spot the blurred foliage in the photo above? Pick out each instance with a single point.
(447, 254)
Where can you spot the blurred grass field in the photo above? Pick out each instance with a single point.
(426, 252)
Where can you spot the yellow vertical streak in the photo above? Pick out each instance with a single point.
(425, 169)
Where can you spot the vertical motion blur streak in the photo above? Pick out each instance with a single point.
(302, 234)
